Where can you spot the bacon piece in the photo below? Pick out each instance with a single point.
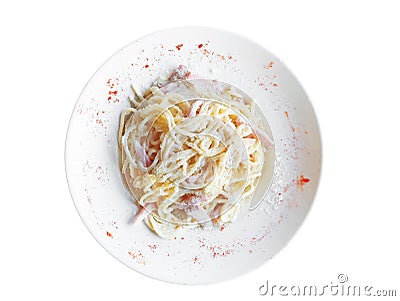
(264, 137)
(261, 135)
(143, 212)
(142, 155)
(191, 202)
(194, 108)
(239, 120)
(192, 179)
(216, 213)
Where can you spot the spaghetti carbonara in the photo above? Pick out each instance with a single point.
(191, 153)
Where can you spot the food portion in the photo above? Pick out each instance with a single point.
(191, 152)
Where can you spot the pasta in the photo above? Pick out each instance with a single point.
(191, 153)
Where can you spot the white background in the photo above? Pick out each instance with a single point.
(346, 54)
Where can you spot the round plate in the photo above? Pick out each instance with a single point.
(193, 256)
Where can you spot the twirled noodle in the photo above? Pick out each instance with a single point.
(190, 155)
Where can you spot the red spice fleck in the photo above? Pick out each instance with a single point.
(111, 93)
(275, 85)
(287, 114)
(302, 181)
(195, 259)
(109, 234)
(139, 257)
(239, 244)
(200, 45)
(110, 84)
(206, 52)
(153, 247)
(229, 57)
(182, 238)
(269, 65)
(216, 251)
(146, 66)
(250, 251)
(280, 218)
(256, 239)
(179, 46)
(222, 228)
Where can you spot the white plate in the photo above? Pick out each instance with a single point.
(194, 256)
